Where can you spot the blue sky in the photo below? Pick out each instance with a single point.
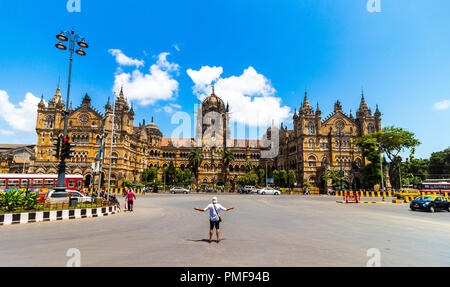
(261, 54)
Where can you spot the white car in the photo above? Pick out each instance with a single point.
(73, 194)
(81, 197)
(179, 190)
(250, 189)
(269, 190)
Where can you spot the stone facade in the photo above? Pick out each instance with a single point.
(314, 145)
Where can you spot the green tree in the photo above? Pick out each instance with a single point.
(250, 178)
(227, 159)
(333, 174)
(195, 158)
(261, 177)
(292, 178)
(178, 176)
(440, 164)
(372, 171)
(392, 141)
(170, 174)
(149, 175)
(283, 178)
(276, 177)
(249, 166)
(186, 176)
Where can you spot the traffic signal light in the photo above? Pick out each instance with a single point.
(66, 150)
(57, 148)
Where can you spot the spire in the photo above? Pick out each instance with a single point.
(306, 108)
(42, 103)
(86, 100)
(132, 110)
(318, 111)
(337, 106)
(363, 109)
(108, 105)
(152, 119)
(377, 112)
(213, 93)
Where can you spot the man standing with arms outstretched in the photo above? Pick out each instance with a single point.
(214, 217)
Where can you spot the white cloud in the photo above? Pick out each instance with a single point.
(21, 117)
(251, 96)
(6, 132)
(203, 78)
(149, 88)
(442, 105)
(124, 60)
(176, 47)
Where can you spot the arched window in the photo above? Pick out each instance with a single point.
(370, 128)
(312, 161)
(49, 122)
(310, 128)
(311, 144)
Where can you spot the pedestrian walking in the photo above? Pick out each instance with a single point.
(130, 197)
(214, 217)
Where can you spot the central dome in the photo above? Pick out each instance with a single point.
(213, 104)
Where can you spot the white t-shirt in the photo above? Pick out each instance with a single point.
(212, 213)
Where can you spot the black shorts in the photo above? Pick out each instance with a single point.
(213, 224)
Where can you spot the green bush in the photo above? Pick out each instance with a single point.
(13, 200)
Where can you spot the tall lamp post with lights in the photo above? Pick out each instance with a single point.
(71, 38)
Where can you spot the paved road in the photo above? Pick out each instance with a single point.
(164, 230)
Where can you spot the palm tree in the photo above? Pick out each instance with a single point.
(227, 159)
(195, 158)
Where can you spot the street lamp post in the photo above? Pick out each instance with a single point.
(71, 37)
(134, 172)
(381, 167)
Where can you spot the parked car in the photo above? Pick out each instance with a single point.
(406, 192)
(179, 190)
(250, 189)
(81, 197)
(430, 203)
(268, 190)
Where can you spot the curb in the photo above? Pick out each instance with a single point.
(56, 215)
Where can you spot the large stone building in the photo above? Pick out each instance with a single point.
(312, 146)
(136, 147)
(316, 144)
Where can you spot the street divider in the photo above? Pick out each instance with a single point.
(365, 193)
(56, 215)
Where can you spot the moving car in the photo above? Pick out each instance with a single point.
(407, 192)
(269, 190)
(430, 203)
(179, 190)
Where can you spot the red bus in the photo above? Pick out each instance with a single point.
(22, 181)
(434, 187)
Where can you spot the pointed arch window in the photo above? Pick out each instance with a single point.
(310, 128)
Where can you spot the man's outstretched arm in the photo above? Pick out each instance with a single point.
(230, 208)
(199, 209)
